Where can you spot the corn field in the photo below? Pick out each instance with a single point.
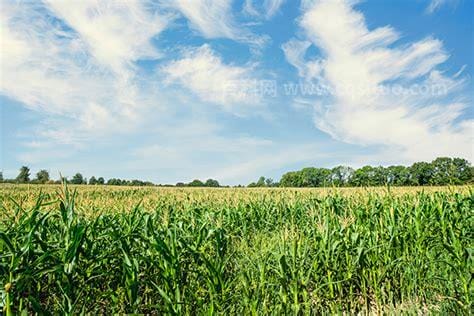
(105, 250)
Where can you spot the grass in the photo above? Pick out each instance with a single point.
(236, 251)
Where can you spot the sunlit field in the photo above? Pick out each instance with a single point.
(103, 249)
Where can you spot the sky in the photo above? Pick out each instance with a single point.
(170, 91)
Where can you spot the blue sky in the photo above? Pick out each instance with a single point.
(171, 91)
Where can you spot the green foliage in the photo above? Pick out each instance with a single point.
(398, 175)
(369, 176)
(450, 171)
(340, 175)
(421, 173)
(212, 183)
(78, 179)
(195, 183)
(291, 179)
(24, 175)
(315, 177)
(441, 171)
(93, 181)
(114, 181)
(249, 252)
(263, 182)
(42, 176)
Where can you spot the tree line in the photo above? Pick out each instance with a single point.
(441, 171)
(43, 177)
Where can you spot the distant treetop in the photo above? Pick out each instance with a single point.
(441, 171)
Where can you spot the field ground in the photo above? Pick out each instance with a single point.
(236, 251)
(98, 199)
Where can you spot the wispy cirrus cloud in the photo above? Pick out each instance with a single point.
(359, 63)
(41, 55)
(295, 51)
(202, 71)
(266, 9)
(75, 64)
(96, 76)
(215, 19)
(75, 61)
(116, 33)
(435, 5)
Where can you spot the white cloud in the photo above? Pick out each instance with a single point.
(37, 54)
(117, 33)
(266, 9)
(202, 71)
(75, 61)
(295, 51)
(75, 65)
(435, 5)
(214, 19)
(358, 63)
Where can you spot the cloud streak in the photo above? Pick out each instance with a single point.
(266, 9)
(214, 19)
(75, 62)
(202, 71)
(178, 80)
(435, 5)
(295, 51)
(358, 62)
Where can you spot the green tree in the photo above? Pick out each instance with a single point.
(450, 171)
(93, 181)
(341, 175)
(369, 176)
(363, 176)
(380, 176)
(116, 181)
(113, 181)
(42, 176)
(24, 175)
(398, 175)
(421, 173)
(77, 179)
(463, 170)
(100, 180)
(269, 182)
(440, 171)
(1, 176)
(444, 171)
(309, 177)
(212, 183)
(196, 183)
(291, 179)
(315, 177)
(261, 182)
(138, 183)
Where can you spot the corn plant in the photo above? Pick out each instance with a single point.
(109, 250)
